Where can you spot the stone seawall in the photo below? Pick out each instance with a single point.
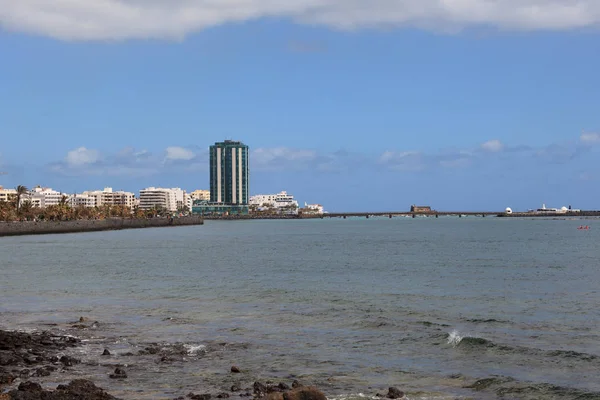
(48, 227)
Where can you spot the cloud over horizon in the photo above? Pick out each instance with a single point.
(173, 20)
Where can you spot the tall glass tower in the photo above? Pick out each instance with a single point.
(229, 173)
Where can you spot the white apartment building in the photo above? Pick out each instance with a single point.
(7, 194)
(200, 195)
(189, 201)
(112, 198)
(82, 200)
(43, 197)
(281, 201)
(168, 199)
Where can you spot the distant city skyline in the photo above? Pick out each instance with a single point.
(481, 107)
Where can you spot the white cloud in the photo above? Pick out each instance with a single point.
(174, 19)
(82, 156)
(404, 160)
(281, 158)
(590, 138)
(174, 153)
(493, 146)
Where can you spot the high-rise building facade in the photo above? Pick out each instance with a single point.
(229, 173)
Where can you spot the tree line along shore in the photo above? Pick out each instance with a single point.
(18, 210)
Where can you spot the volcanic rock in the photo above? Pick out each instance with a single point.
(304, 393)
(119, 373)
(394, 393)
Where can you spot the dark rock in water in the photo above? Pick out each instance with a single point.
(82, 319)
(7, 359)
(205, 396)
(296, 384)
(119, 373)
(283, 386)
(79, 389)
(106, 352)
(23, 374)
(29, 387)
(394, 393)
(235, 369)
(68, 361)
(223, 395)
(6, 378)
(260, 389)
(42, 372)
(274, 389)
(304, 393)
(235, 388)
(274, 396)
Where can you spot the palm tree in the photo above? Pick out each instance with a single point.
(21, 190)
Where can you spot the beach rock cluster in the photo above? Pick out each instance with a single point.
(24, 355)
(78, 389)
(267, 391)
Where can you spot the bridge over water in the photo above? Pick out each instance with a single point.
(435, 214)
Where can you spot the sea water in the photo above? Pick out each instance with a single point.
(441, 308)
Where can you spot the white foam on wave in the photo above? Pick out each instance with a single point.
(194, 349)
(454, 338)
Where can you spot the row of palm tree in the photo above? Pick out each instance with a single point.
(21, 209)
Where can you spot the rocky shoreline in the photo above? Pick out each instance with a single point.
(27, 358)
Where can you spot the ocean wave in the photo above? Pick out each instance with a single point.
(456, 340)
(488, 321)
(193, 349)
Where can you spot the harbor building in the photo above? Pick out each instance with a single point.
(229, 180)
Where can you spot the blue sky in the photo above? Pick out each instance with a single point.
(356, 105)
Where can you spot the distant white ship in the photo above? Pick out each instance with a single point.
(546, 210)
(562, 210)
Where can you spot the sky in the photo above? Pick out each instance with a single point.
(357, 105)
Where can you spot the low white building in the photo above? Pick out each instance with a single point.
(313, 208)
(112, 198)
(82, 200)
(171, 200)
(7, 194)
(282, 201)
